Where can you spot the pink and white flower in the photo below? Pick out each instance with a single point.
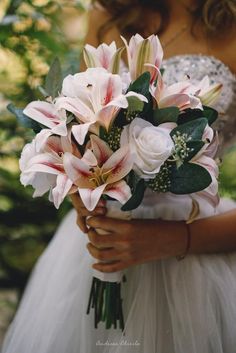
(44, 169)
(100, 171)
(49, 116)
(106, 56)
(141, 52)
(181, 94)
(150, 145)
(94, 97)
(209, 92)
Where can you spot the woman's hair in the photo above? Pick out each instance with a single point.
(216, 16)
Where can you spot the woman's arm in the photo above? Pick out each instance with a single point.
(138, 241)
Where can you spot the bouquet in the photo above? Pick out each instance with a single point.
(112, 133)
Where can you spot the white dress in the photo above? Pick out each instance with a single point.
(169, 306)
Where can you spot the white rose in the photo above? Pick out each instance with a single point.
(150, 145)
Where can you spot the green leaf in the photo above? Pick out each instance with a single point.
(211, 114)
(189, 115)
(189, 178)
(136, 198)
(196, 146)
(141, 85)
(23, 119)
(135, 104)
(53, 83)
(194, 128)
(165, 115)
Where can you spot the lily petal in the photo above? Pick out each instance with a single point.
(100, 149)
(90, 197)
(120, 163)
(75, 168)
(119, 191)
(61, 190)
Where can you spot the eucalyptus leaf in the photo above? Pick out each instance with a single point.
(135, 104)
(211, 114)
(23, 119)
(189, 178)
(136, 198)
(193, 129)
(195, 146)
(141, 85)
(53, 83)
(165, 115)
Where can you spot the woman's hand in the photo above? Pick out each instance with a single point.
(83, 213)
(134, 242)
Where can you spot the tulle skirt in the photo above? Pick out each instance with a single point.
(169, 306)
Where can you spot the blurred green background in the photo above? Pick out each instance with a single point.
(32, 33)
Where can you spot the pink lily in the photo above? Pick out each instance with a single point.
(99, 172)
(209, 92)
(106, 56)
(94, 97)
(181, 94)
(46, 114)
(142, 51)
(44, 170)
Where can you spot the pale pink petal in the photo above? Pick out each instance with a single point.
(43, 112)
(182, 101)
(89, 158)
(53, 144)
(120, 163)
(119, 191)
(46, 163)
(106, 116)
(60, 129)
(77, 107)
(90, 197)
(41, 139)
(100, 149)
(75, 168)
(137, 95)
(80, 131)
(61, 190)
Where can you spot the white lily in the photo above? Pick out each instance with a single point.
(181, 94)
(209, 92)
(141, 52)
(44, 169)
(99, 172)
(94, 97)
(106, 56)
(48, 115)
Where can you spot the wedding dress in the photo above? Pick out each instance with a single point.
(169, 306)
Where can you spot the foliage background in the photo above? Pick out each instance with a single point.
(32, 33)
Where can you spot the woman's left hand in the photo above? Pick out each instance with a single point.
(133, 242)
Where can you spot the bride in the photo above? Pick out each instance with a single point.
(170, 306)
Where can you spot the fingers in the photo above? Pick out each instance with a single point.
(108, 254)
(111, 267)
(107, 240)
(81, 222)
(106, 223)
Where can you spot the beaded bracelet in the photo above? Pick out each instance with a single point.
(181, 257)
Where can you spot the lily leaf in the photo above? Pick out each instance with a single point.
(53, 83)
(189, 178)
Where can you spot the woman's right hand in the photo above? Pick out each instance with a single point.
(83, 213)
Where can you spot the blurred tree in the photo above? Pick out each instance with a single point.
(32, 33)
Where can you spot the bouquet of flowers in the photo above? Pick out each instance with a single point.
(112, 133)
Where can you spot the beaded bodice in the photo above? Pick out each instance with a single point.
(197, 66)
